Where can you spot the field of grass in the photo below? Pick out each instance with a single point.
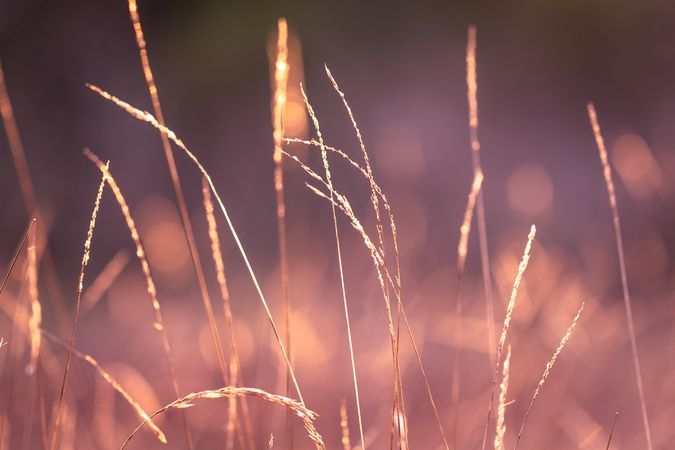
(336, 318)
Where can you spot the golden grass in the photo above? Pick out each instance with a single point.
(472, 98)
(465, 229)
(281, 69)
(145, 267)
(150, 119)
(324, 158)
(71, 341)
(611, 192)
(547, 371)
(65, 416)
(507, 320)
(384, 277)
(307, 416)
(110, 380)
(235, 366)
(500, 430)
(180, 197)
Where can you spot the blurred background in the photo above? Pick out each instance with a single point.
(402, 68)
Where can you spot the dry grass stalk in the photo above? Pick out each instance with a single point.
(279, 106)
(611, 192)
(71, 341)
(16, 254)
(307, 416)
(180, 198)
(500, 431)
(375, 194)
(507, 320)
(145, 267)
(104, 280)
(140, 412)
(472, 98)
(378, 261)
(149, 118)
(547, 371)
(465, 229)
(16, 147)
(344, 426)
(235, 366)
(324, 157)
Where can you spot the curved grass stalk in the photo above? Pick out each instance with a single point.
(547, 370)
(145, 267)
(307, 416)
(149, 118)
(140, 412)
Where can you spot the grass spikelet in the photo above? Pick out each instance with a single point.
(378, 261)
(150, 119)
(344, 426)
(376, 192)
(500, 431)
(465, 229)
(611, 192)
(71, 341)
(235, 366)
(138, 409)
(145, 267)
(279, 106)
(507, 320)
(307, 416)
(324, 158)
(472, 98)
(547, 371)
